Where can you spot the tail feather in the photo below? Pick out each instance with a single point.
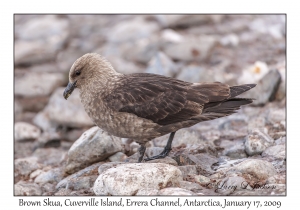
(237, 90)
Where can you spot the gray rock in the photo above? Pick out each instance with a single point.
(69, 112)
(194, 74)
(277, 151)
(190, 49)
(162, 64)
(259, 169)
(266, 88)
(127, 179)
(46, 26)
(26, 131)
(131, 30)
(24, 166)
(281, 140)
(51, 176)
(27, 189)
(81, 179)
(34, 84)
(40, 39)
(94, 145)
(188, 170)
(257, 142)
(50, 156)
(182, 137)
(118, 157)
(175, 191)
(276, 179)
(234, 149)
(191, 186)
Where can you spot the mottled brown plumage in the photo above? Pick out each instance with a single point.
(144, 106)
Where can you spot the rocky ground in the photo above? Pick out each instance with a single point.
(58, 150)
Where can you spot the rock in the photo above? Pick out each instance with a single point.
(166, 160)
(46, 26)
(162, 64)
(118, 157)
(170, 21)
(49, 156)
(266, 88)
(49, 139)
(169, 35)
(27, 189)
(277, 179)
(63, 192)
(67, 112)
(202, 180)
(188, 170)
(26, 131)
(131, 30)
(257, 122)
(257, 142)
(94, 145)
(127, 179)
(237, 151)
(147, 191)
(191, 186)
(190, 49)
(276, 116)
(51, 176)
(195, 74)
(34, 52)
(230, 40)
(259, 169)
(175, 191)
(204, 163)
(32, 104)
(182, 137)
(24, 166)
(280, 141)
(40, 39)
(277, 151)
(34, 84)
(83, 179)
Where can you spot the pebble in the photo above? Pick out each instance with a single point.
(24, 166)
(26, 131)
(23, 188)
(256, 142)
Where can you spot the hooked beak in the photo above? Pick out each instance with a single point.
(69, 89)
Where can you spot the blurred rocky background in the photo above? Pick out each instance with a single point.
(58, 151)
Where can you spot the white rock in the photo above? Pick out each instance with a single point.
(260, 169)
(93, 146)
(192, 48)
(257, 141)
(26, 131)
(34, 84)
(147, 191)
(175, 191)
(127, 179)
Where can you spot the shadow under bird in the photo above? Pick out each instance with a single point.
(144, 106)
